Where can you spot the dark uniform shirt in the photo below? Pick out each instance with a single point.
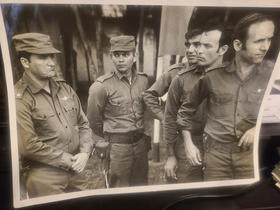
(180, 88)
(232, 104)
(115, 105)
(160, 88)
(51, 127)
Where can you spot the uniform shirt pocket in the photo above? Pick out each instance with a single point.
(44, 123)
(221, 105)
(255, 97)
(254, 100)
(116, 107)
(221, 99)
(71, 110)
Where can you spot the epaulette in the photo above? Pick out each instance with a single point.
(217, 67)
(176, 66)
(142, 73)
(20, 88)
(105, 77)
(185, 70)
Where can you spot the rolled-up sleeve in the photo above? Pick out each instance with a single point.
(190, 104)
(95, 109)
(31, 148)
(158, 89)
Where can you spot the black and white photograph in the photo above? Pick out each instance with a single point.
(107, 98)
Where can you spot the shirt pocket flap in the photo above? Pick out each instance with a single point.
(222, 98)
(69, 106)
(41, 116)
(255, 98)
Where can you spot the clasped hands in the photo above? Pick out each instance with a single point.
(79, 162)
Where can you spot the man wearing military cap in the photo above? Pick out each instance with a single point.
(115, 112)
(54, 137)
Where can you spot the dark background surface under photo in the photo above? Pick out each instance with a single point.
(81, 46)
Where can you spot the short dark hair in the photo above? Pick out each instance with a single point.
(241, 28)
(193, 32)
(23, 54)
(217, 24)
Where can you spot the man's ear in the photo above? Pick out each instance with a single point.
(135, 54)
(24, 62)
(223, 49)
(237, 45)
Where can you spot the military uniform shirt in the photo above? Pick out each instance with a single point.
(232, 104)
(115, 105)
(51, 127)
(160, 88)
(180, 88)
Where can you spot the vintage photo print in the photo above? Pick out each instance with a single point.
(109, 97)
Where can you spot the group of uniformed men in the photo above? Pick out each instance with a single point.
(209, 118)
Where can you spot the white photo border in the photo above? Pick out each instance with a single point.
(153, 188)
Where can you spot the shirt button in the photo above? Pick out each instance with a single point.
(66, 126)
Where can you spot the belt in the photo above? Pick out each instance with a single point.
(231, 147)
(123, 138)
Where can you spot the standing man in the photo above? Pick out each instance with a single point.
(213, 44)
(234, 94)
(161, 86)
(54, 137)
(115, 112)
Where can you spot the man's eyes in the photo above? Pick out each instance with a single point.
(207, 46)
(196, 44)
(123, 54)
(45, 56)
(263, 40)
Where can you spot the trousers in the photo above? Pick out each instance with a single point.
(48, 180)
(128, 163)
(186, 172)
(225, 161)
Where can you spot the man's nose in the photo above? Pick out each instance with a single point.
(191, 49)
(265, 45)
(50, 60)
(199, 49)
(121, 58)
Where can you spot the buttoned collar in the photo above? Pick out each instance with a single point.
(258, 68)
(35, 86)
(223, 65)
(197, 69)
(121, 76)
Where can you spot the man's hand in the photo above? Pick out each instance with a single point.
(80, 161)
(171, 167)
(192, 153)
(247, 139)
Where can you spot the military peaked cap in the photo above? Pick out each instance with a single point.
(34, 43)
(122, 43)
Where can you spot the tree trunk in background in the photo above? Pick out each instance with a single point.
(140, 44)
(99, 40)
(87, 50)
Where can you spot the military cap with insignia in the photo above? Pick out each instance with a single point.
(35, 43)
(122, 43)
